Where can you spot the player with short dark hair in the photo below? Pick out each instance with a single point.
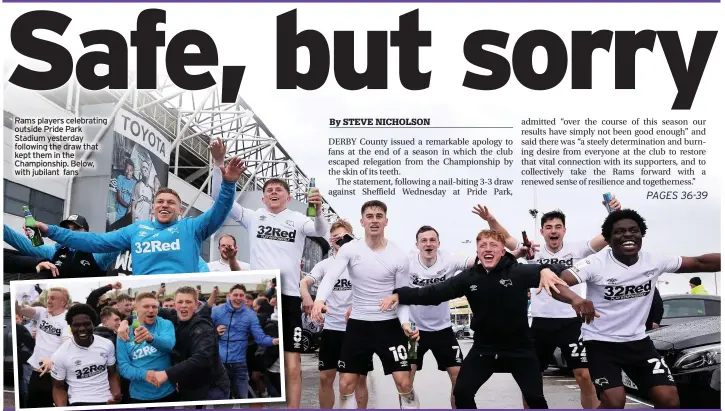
(620, 286)
(376, 266)
(86, 363)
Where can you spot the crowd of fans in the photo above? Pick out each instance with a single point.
(149, 348)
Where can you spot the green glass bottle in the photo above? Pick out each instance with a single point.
(413, 350)
(37, 238)
(311, 209)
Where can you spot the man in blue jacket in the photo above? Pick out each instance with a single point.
(164, 245)
(148, 350)
(235, 322)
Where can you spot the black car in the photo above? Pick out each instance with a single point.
(680, 308)
(692, 353)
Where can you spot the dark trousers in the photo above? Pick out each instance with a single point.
(478, 367)
(40, 391)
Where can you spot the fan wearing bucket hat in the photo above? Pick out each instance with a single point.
(70, 263)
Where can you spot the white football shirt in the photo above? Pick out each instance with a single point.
(220, 265)
(545, 306)
(374, 275)
(438, 317)
(622, 295)
(52, 332)
(340, 299)
(85, 369)
(276, 241)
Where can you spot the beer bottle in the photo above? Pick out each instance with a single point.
(37, 238)
(413, 350)
(311, 209)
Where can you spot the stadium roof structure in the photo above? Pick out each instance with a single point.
(191, 120)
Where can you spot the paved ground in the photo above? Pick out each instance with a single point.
(433, 388)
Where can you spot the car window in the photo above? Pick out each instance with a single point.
(712, 308)
(686, 307)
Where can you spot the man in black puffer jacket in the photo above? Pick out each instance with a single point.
(197, 370)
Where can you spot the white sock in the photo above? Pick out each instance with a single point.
(409, 401)
(348, 402)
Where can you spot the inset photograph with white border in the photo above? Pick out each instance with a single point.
(158, 340)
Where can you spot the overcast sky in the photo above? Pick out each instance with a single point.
(246, 34)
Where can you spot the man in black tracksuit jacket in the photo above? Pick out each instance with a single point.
(496, 288)
(197, 368)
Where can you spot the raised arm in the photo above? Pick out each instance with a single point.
(218, 150)
(21, 243)
(91, 242)
(482, 211)
(706, 263)
(211, 220)
(317, 226)
(598, 243)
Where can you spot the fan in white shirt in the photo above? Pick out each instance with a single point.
(228, 253)
(276, 241)
(333, 334)
(555, 324)
(52, 332)
(621, 283)
(429, 266)
(376, 267)
(87, 363)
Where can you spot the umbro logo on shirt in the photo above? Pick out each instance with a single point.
(611, 281)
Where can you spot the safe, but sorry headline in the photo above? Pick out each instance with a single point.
(409, 40)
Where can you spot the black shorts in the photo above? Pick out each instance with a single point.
(330, 348)
(638, 359)
(565, 333)
(292, 323)
(365, 338)
(445, 348)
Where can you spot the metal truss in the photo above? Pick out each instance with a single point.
(191, 120)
